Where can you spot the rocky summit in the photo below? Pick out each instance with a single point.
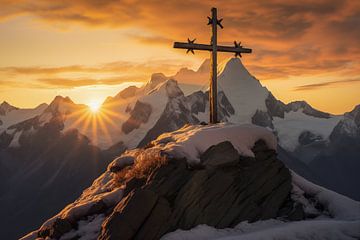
(221, 191)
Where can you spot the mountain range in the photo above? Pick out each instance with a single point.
(45, 150)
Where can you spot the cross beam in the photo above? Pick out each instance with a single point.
(206, 47)
(213, 48)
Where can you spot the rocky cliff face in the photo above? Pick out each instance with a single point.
(163, 194)
(221, 192)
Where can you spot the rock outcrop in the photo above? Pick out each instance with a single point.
(221, 191)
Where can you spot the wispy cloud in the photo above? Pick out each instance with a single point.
(71, 83)
(111, 67)
(314, 86)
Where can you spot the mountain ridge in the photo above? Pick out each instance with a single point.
(138, 115)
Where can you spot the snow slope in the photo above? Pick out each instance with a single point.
(273, 230)
(244, 92)
(19, 115)
(293, 124)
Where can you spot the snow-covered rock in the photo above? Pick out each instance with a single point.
(191, 141)
(12, 115)
(152, 191)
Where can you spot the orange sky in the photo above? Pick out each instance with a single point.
(89, 49)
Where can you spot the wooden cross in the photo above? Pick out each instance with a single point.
(213, 48)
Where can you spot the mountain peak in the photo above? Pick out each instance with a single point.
(157, 78)
(59, 98)
(232, 66)
(5, 107)
(61, 104)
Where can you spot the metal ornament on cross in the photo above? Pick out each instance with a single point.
(213, 48)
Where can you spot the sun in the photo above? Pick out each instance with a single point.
(94, 106)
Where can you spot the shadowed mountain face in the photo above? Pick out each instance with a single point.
(338, 163)
(44, 151)
(46, 170)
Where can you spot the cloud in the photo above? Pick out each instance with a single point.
(325, 84)
(120, 67)
(288, 37)
(72, 83)
(151, 39)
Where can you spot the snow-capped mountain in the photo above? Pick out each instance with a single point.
(40, 147)
(10, 115)
(132, 113)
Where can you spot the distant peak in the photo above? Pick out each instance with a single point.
(62, 99)
(4, 103)
(157, 78)
(59, 103)
(125, 93)
(204, 67)
(6, 107)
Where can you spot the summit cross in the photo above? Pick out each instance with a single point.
(213, 48)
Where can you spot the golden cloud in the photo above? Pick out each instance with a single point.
(288, 37)
(325, 84)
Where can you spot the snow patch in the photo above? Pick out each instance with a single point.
(274, 230)
(293, 124)
(339, 206)
(192, 140)
(19, 115)
(15, 141)
(87, 229)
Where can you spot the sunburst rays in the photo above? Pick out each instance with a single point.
(101, 124)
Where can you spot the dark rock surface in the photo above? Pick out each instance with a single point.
(306, 109)
(275, 107)
(175, 116)
(139, 115)
(46, 172)
(221, 192)
(308, 137)
(199, 102)
(337, 164)
(262, 119)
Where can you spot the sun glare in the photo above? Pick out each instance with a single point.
(94, 106)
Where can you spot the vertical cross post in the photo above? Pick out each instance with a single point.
(213, 74)
(213, 48)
